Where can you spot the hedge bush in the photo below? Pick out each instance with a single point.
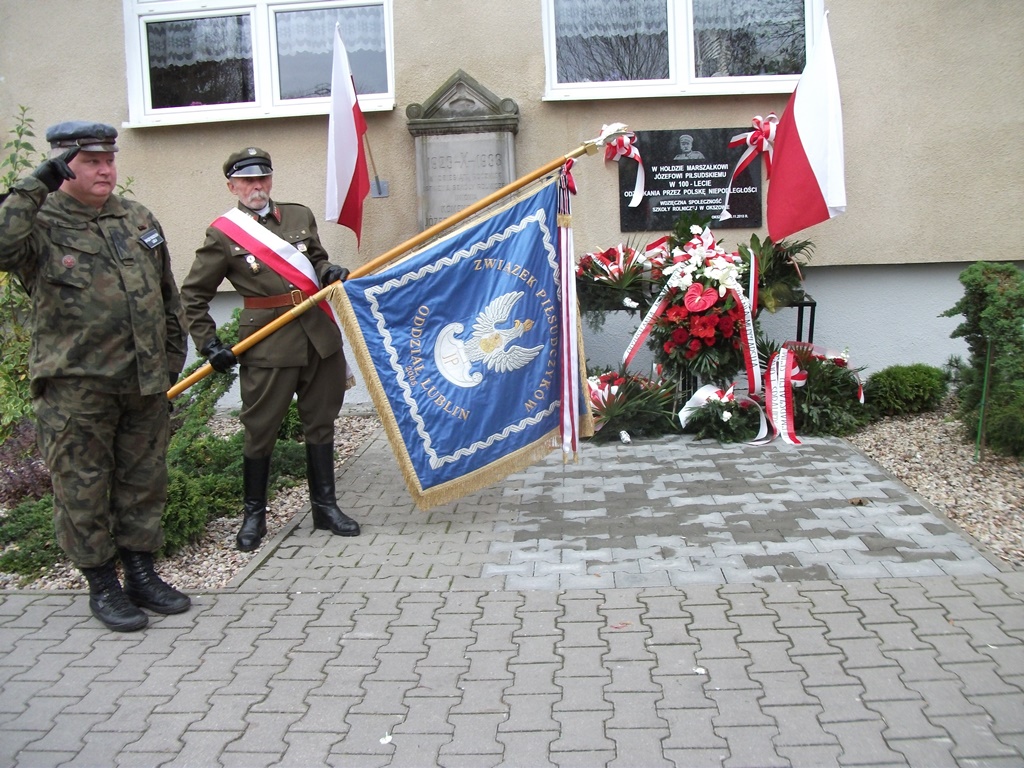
(905, 389)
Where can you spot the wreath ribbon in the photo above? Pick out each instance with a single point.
(758, 141)
(623, 146)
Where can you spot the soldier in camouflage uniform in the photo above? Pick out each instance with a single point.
(107, 341)
(304, 358)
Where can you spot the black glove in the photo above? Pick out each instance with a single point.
(334, 273)
(220, 357)
(56, 170)
(173, 377)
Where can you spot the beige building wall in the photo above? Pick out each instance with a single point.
(933, 100)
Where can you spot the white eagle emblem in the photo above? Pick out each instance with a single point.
(489, 344)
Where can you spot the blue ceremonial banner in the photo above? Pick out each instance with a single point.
(459, 345)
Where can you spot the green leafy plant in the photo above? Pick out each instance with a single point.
(905, 389)
(624, 402)
(991, 390)
(19, 153)
(15, 404)
(725, 420)
(829, 401)
(780, 279)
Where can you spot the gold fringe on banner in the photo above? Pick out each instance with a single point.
(484, 476)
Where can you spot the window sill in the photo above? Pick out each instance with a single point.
(192, 117)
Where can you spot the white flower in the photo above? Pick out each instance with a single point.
(695, 229)
(726, 415)
(629, 303)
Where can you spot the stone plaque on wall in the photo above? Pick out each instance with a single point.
(465, 147)
(689, 170)
(453, 171)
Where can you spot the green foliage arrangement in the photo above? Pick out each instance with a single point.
(624, 402)
(728, 421)
(905, 389)
(829, 401)
(780, 281)
(993, 327)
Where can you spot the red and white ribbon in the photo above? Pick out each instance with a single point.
(783, 374)
(758, 141)
(623, 146)
(571, 392)
(656, 251)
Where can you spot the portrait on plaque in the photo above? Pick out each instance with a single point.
(689, 170)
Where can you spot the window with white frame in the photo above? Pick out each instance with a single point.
(196, 61)
(639, 48)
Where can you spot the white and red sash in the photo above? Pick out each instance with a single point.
(281, 256)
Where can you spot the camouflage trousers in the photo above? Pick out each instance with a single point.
(107, 456)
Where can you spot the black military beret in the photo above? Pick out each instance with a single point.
(87, 136)
(251, 161)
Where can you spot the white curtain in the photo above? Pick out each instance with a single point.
(586, 18)
(183, 43)
(223, 38)
(744, 14)
(362, 29)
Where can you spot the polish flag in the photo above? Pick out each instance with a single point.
(807, 184)
(348, 181)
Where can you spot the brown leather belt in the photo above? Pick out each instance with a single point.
(292, 299)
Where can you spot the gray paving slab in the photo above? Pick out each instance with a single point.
(663, 603)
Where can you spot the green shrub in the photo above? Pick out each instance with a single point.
(27, 543)
(993, 327)
(905, 389)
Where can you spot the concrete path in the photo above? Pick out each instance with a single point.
(664, 603)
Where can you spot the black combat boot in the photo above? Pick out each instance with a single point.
(108, 602)
(255, 476)
(145, 588)
(320, 473)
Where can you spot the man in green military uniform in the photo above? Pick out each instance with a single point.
(271, 253)
(107, 341)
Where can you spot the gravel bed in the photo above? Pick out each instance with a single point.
(926, 452)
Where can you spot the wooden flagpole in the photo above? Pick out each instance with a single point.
(588, 147)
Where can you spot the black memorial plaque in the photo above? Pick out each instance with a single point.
(689, 174)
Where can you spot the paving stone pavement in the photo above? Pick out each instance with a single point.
(663, 603)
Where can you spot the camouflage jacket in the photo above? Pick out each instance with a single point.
(221, 258)
(105, 307)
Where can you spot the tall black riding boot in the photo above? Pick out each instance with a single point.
(255, 476)
(108, 602)
(322, 498)
(145, 588)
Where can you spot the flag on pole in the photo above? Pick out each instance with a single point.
(348, 181)
(461, 346)
(807, 184)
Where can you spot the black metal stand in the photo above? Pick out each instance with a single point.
(807, 303)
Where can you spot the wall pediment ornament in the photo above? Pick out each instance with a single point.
(462, 105)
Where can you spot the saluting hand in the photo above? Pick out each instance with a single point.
(56, 170)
